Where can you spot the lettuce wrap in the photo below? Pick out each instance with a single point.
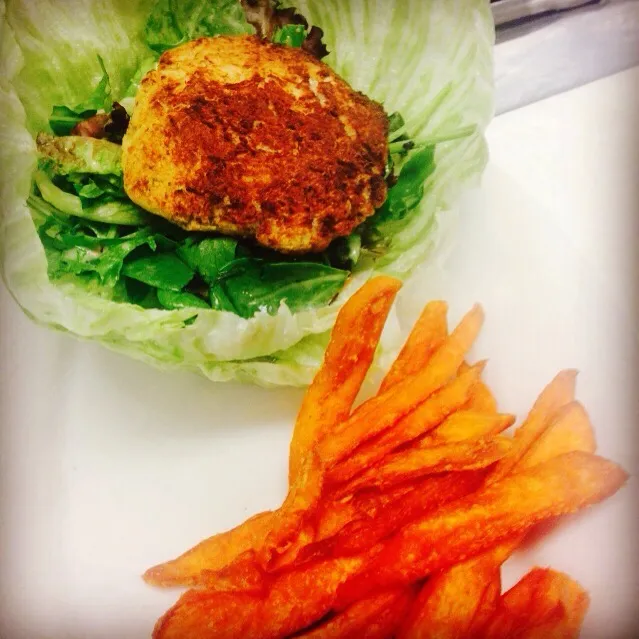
(431, 61)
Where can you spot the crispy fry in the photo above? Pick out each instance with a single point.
(294, 601)
(426, 495)
(212, 554)
(428, 334)
(300, 503)
(481, 399)
(469, 526)
(330, 397)
(557, 394)
(328, 400)
(425, 459)
(485, 608)
(570, 430)
(426, 417)
(469, 424)
(335, 517)
(451, 600)
(374, 618)
(545, 604)
(381, 412)
(417, 483)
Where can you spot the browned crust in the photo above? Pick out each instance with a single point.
(253, 139)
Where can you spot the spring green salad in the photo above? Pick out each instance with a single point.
(79, 255)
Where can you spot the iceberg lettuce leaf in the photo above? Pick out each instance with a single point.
(429, 60)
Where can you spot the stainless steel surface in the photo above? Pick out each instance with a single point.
(541, 57)
(509, 10)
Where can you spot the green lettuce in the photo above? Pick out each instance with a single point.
(431, 61)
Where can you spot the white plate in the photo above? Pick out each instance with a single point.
(108, 466)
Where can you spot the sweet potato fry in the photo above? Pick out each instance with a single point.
(374, 618)
(328, 400)
(354, 338)
(570, 430)
(381, 412)
(334, 514)
(469, 424)
(428, 334)
(469, 526)
(557, 394)
(451, 600)
(485, 608)
(481, 399)
(212, 554)
(289, 519)
(425, 459)
(426, 417)
(294, 601)
(425, 496)
(545, 604)
(335, 517)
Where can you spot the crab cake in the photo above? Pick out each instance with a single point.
(247, 138)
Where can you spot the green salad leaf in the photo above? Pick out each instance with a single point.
(416, 57)
(208, 257)
(252, 285)
(174, 300)
(72, 248)
(173, 22)
(165, 271)
(64, 118)
(292, 35)
(74, 154)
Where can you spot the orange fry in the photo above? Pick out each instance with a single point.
(294, 600)
(425, 459)
(469, 424)
(426, 495)
(485, 608)
(481, 399)
(212, 554)
(426, 337)
(328, 400)
(557, 394)
(451, 600)
(469, 526)
(374, 618)
(348, 357)
(426, 417)
(288, 520)
(570, 430)
(545, 604)
(381, 412)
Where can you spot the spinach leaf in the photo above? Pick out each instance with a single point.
(252, 285)
(164, 271)
(173, 22)
(71, 249)
(291, 35)
(174, 300)
(220, 301)
(208, 257)
(408, 192)
(64, 118)
(91, 187)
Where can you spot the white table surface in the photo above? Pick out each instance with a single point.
(108, 466)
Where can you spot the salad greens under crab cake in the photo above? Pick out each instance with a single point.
(203, 183)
